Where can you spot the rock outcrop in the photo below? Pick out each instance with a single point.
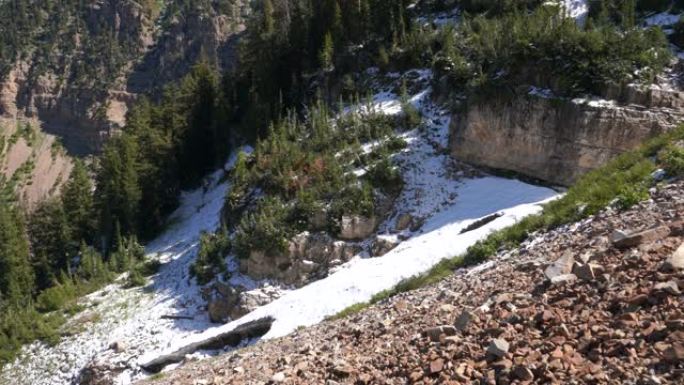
(357, 227)
(226, 302)
(555, 139)
(307, 256)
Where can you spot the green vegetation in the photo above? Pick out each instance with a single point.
(211, 256)
(485, 55)
(307, 167)
(296, 59)
(623, 181)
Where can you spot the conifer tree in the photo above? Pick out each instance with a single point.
(327, 51)
(51, 240)
(118, 188)
(16, 274)
(77, 200)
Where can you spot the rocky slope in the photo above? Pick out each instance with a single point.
(80, 83)
(594, 302)
(34, 164)
(557, 139)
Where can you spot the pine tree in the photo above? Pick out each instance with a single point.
(118, 188)
(51, 240)
(326, 54)
(77, 200)
(16, 274)
(268, 26)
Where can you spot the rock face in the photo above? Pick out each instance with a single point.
(307, 256)
(82, 98)
(557, 140)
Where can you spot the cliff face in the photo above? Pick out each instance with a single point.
(80, 78)
(557, 140)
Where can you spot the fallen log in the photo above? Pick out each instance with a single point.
(171, 316)
(481, 222)
(232, 338)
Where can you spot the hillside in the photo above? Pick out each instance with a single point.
(376, 191)
(452, 197)
(520, 318)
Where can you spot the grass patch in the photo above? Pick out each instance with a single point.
(622, 182)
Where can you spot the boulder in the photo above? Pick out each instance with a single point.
(222, 303)
(561, 266)
(435, 332)
(563, 279)
(100, 373)
(675, 261)
(357, 227)
(463, 320)
(626, 239)
(404, 221)
(117, 346)
(669, 287)
(498, 348)
(588, 271)
(383, 244)
(250, 300)
(319, 219)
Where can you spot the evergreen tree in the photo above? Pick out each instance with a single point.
(16, 274)
(326, 54)
(77, 200)
(118, 188)
(51, 241)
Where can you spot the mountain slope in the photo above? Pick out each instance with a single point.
(448, 195)
(617, 321)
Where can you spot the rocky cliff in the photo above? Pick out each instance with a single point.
(556, 139)
(80, 69)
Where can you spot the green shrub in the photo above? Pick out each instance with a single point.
(264, 229)
(385, 176)
(135, 278)
(672, 159)
(56, 297)
(213, 249)
(548, 51)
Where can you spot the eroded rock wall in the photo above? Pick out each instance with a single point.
(557, 140)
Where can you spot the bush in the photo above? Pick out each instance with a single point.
(211, 256)
(135, 278)
(264, 229)
(672, 160)
(56, 297)
(385, 176)
(548, 51)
